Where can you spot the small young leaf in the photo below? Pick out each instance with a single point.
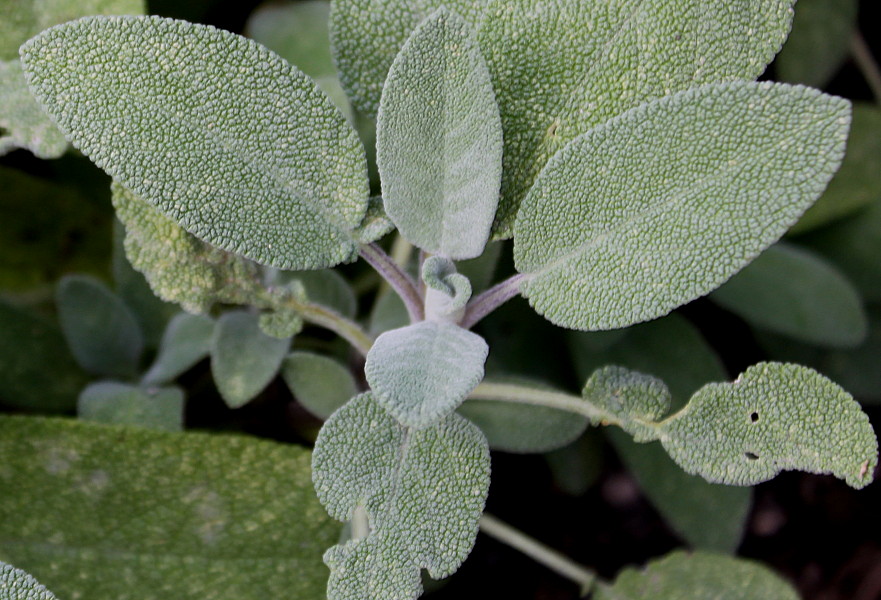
(122, 404)
(446, 291)
(439, 140)
(15, 584)
(423, 491)
(284, 175)
(422, 372)
(774, 417)
(700, 183)
(243, 358)
(186, 341)
(792, 291)
(107, 512)
(325, 287)
(101, 331)
(180, 267)
(376, 223)
(319, 383)
(23, 124)
(699, 575)
(631, 397)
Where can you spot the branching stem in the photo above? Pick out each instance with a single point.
(402, 283)
(862, 55)
(534, 549)
(491, 299)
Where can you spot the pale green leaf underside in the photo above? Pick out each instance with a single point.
(319, 383)
(439, 140)
(774, 417)
(179, 266)
(698, 576)
(15, 584)
(562, 67)
(186, 341)
(220, 133)
(106, 512)
(792, 291)
(423, 491)
(23, 124)
(100, 330)
(243, 358)
(123, 404)
(665, 202)
(422, 372)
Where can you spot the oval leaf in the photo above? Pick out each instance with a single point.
(319, 383)
(217, 131)
(186, 341)
(664, 203)
(122, 404)
(422, 372)
(774, 417)
(15, 584)
(439, 140)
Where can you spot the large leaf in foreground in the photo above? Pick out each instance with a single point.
(220, 133)
(105, 512)
(664, 203)
(15, 584)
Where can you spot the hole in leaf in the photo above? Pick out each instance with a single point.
(751, 455)
(754, 417)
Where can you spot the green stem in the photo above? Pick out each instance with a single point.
(491, 299)
(862, 55)
(534, 549)
(508, 392)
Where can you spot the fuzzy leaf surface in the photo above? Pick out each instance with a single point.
(439, 140)
(105, 512)
(243, 358)
(186, 341)
(700, 575)
(665, 202)
(123, 404)
(101, 331)
(422, 372)
(795, 292)
(179, 266)
(218, 132)
(423, 491)
(562, 67)
(318, 382)
(632, 398)
(15, 584)
(774, 417)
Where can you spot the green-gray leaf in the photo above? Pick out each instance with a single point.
(122, 404)
(106, 512)
(562, 67)
(101, 331)
(698, 576)
(179, 266)
(186, 341)
(15, 584)
(792, 291)
(634, 399)
(319, 383)
(439, 140)
(774, 417)
(243, 358)
(220, 133)
(423, 491)
(422, 372)
(23, 124)
(665, 202)
(325, 287)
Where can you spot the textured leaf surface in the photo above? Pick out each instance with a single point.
(101, 331)
(37, 371)
(220, 133)
(774, 417)
(795, 292)
(319, 383)
(446, 291)
(123, 404)
(186, 341)
(423, 491)
(857, 183)
(243, 358)
(562, 67)
(15, 584)
(439, 140)
(179, 266)
(106, 512)
(698, 576)
(700, 183)
(422, 372)
(819, 42)
(23, 124)
(632, 398)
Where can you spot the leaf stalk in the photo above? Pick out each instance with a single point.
(491, 299)
(402, 283)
